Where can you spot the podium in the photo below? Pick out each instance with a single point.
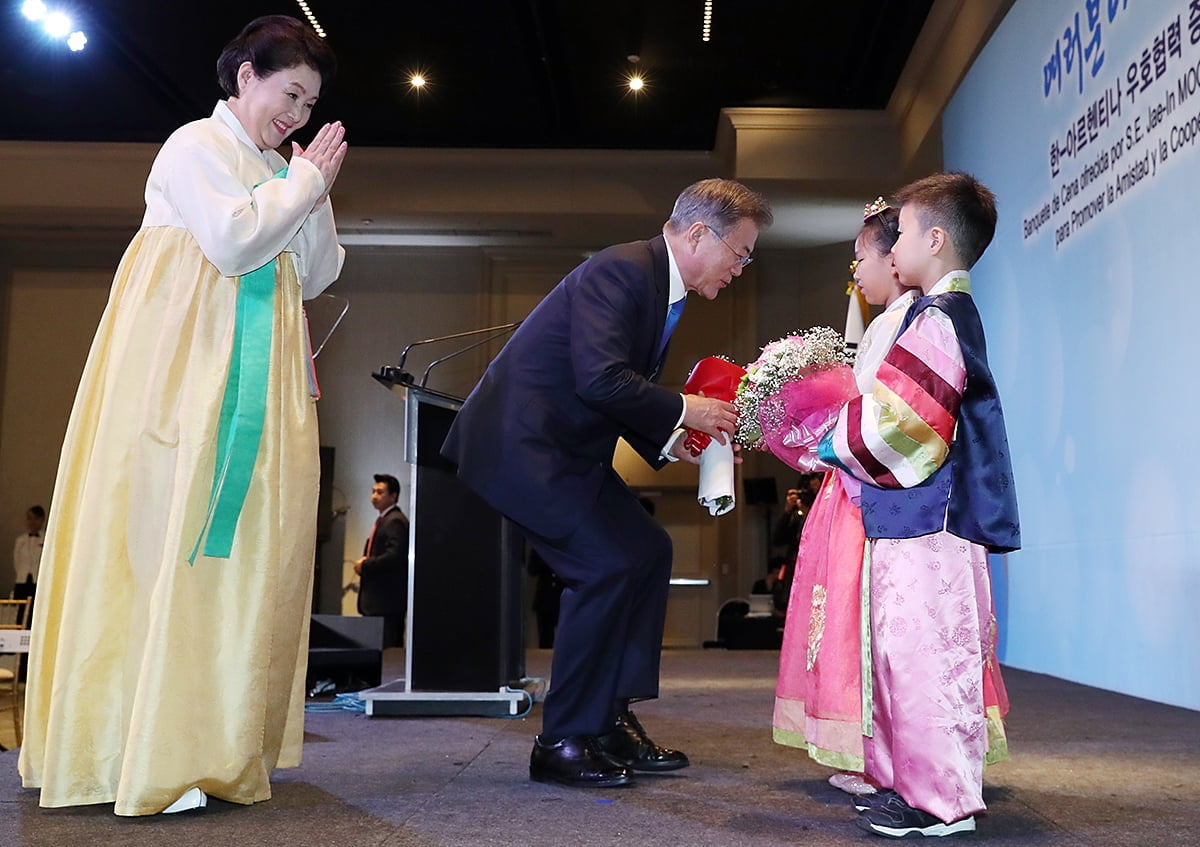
(464, 632)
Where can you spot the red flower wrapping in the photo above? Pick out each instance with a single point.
(713, 377)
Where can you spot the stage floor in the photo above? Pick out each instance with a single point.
(1088, 767)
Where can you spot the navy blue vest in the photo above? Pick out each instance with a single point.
(972, 494)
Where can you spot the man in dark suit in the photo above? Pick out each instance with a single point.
(383, 568)
(536, 438)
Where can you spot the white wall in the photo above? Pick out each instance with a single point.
(51, 318)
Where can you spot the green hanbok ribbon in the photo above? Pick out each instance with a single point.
(243, 409)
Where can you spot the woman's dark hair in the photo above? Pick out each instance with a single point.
(882, 230)
(273, 43)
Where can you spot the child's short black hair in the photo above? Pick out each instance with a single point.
(959, 204)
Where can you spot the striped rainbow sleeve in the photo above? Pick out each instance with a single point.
(897, 436)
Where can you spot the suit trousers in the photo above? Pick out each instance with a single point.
(616, 571)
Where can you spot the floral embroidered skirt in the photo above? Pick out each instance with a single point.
(825, 665)
(818, 698)
(938, 697)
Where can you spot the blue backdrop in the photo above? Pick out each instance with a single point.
(1084, 117)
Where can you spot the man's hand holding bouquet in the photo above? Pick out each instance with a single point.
(786, 400)
(716, 378)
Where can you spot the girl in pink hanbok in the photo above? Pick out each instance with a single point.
(818, 698)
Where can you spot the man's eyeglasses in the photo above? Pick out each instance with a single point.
(742, 260)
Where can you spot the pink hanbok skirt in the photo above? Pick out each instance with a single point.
(938, 697)
(818, 698)
(823, 682)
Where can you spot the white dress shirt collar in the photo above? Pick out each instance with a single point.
(676, 290)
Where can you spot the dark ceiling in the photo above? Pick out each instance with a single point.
(503, 73)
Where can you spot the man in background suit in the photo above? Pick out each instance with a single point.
(535, 439)
(383, 568)
(789, 525)
(27, 557)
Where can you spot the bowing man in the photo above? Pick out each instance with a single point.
(535, 439)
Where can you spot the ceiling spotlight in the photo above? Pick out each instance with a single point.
(416, 81)
(35, 10)
(57, 25)
(636, 83)
(312, 17)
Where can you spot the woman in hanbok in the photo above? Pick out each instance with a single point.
(818, 699)
(171, 633)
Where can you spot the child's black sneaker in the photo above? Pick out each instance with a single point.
(874, 801)
(897, 819)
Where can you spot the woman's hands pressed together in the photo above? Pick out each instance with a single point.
(327, 151)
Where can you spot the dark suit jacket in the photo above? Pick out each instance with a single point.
(383, 586)
(535, 438)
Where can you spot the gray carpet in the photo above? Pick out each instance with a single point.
(1088, 767)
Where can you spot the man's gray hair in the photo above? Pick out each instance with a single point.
(721, 204)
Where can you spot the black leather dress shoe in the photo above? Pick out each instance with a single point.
(576, 761)
(627, 744)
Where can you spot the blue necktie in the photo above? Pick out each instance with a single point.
(673, 314)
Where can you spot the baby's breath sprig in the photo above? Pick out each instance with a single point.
(780, 362)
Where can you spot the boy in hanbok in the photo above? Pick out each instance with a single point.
(171, 634)
(930, 445)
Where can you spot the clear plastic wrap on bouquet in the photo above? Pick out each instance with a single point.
(795, 419)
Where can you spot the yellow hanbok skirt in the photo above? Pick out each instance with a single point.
(149, 675)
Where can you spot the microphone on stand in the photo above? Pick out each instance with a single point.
(391, 375)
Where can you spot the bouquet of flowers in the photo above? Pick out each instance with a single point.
(719, 378)
(791, 395)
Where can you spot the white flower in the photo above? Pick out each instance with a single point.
(781, 361)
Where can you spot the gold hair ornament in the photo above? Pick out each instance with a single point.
(874, 208)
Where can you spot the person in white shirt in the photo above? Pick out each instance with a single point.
(27, 551)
